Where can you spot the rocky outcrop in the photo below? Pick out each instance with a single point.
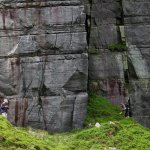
(50, 50)
(44, 63)
(137, 21)
(121, 75)
(106, 68)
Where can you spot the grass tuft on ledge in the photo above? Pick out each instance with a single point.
(118, 47)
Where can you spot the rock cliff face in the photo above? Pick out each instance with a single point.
(44, 62)
(106, 68)
(121, 75)
(137, 20)
(45, 68)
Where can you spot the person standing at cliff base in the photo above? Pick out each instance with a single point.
(126, 109)
(4, 108)
(128, 112)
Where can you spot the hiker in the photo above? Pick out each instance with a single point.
(128, 112)
(4, 108)
(123, 108)
(126, 109)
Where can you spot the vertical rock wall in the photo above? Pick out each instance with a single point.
(106, 68)
(137, 30)
(120, 75)
(45, 67)
(44, 62)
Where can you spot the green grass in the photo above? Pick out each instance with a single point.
(118, 47)
(123, 134)
(12, 138)
(101, 110)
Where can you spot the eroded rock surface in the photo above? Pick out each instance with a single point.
(106, 68)
(44, 63)
(137, 19)
(121, 75)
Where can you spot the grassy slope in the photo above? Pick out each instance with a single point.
(101, 110)
(125, 134)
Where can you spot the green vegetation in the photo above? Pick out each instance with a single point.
(101, 110)
(12, 138)
(93, 51)
(118, 47)
(121, 133)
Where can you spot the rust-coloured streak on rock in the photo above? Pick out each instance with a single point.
(42, 51)
(4, 14)
(16, 111)
(24, 108)
(112, 84)
(121, 88)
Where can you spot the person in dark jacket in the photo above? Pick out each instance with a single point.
(128, 107)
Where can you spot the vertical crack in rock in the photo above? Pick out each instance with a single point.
(16, 111)
(40, 91)
(88, 22)
(122, 13)
(73, 113)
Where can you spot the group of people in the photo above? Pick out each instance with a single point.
(4, 108)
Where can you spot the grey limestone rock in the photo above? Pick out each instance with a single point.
(120, 75)
(137, 38)
(50, 50)
(44, 63)
(106, 68)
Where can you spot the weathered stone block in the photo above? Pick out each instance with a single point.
(140, 100)
(43, 44)
(106, 66)
(105, 12)
(57, 113)
(138, 64)
(103, 36)
(112, 89)
(140, 34)
(136, 7)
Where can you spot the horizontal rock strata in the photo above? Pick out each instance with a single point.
(50, 50)
(44, 63)
(137, 19)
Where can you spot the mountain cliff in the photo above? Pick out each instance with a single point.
(53, 51)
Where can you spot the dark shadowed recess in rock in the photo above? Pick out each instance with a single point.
(75, 82)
